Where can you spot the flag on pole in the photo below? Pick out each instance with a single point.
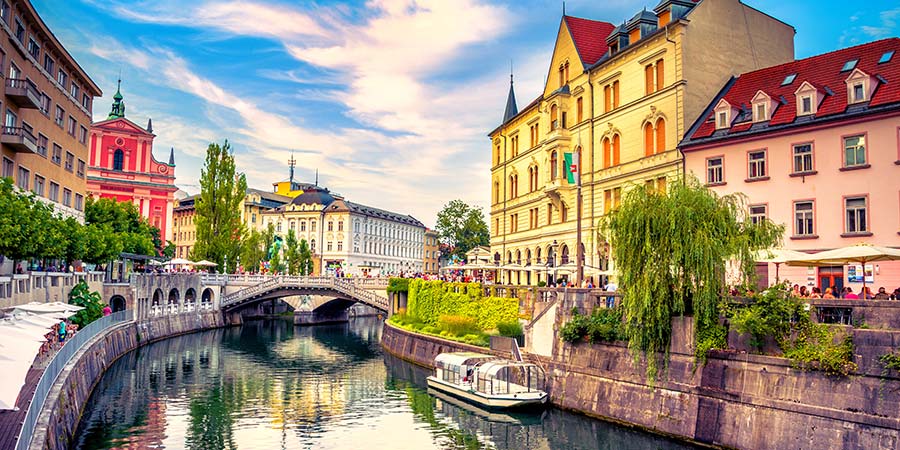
(572, 174)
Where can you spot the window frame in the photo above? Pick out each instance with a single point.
(754, 217)
(865, 145)
(866, 218)
(812, 158)
(751, 163)
(812, 234)
(707, 168)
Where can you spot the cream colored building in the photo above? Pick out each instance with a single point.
(621, 97)
(348, 236)
(431, 252)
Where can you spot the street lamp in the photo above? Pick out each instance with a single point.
(551, 258)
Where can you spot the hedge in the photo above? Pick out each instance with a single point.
(398, 285)
(429, 300)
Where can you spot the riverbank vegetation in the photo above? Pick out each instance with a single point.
(457, 311)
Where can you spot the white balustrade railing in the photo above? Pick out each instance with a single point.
(342, 285)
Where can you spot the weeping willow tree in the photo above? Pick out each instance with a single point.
(670, 251)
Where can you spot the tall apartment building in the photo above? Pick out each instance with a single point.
(617, 99)
(46, 106)
(813, 145)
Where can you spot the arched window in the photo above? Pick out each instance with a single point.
(518, 257)
(118, 159)
(509, 257)
(607, 156)
(554, 117)
(648, 139)
(615, 150)
(516, 185)
(537, 255)
(660, 135)
(536, 178)
(528, 256)
(564, 255)
(554, 163)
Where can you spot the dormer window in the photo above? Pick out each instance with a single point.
(724, 114)
(860, 87)
(762, 106)
(722, 119)
(807, 99)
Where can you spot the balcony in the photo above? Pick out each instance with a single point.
(23, 93)
(18, 139)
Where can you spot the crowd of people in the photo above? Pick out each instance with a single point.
(846, 293)
(56, 337)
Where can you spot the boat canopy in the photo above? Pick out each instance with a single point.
(506, 377)
(445, 360)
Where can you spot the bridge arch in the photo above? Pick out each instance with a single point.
(117, 303)
(206, 297)
(157, 297)
(174, 297)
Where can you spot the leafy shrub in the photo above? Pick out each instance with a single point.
(429, 300)
(510, 328)
(459, 325)
(603, 325)
(814, 349)
(481, 339)
(890, 361)
(398, 285)
(771, 314)
(81, 295)
(714, 337)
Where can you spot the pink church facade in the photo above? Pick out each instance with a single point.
(815, 146)
(122, 167)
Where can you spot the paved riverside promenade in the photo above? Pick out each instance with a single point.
(11, 420)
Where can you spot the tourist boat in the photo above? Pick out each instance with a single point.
(488, 381)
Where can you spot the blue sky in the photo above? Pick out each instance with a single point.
(390, 100)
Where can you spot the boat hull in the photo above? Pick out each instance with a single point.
(508, 401)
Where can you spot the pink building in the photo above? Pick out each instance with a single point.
(815, 146)
(122, 167)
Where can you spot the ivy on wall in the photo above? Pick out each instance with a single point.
(429, 300)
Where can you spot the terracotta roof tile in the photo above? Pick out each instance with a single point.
(823, 72)
(590, 38)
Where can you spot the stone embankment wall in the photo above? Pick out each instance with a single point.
(737, 400)
(62, 411)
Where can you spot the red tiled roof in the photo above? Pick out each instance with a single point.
(590, 37)
(822, 71)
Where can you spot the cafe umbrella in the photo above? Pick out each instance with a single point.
(854, 254)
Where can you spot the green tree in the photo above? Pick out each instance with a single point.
(129, 231)
(275, 264)
(81, 295)
(218, 208)
(291, 254)
(462, 227)
(23, 223)
(169, 250)
(670, 251)
(252, 251)
(305, 258)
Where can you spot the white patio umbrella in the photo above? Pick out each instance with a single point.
(854, 254)
(778, 256)
(178, 261)
(205, 263)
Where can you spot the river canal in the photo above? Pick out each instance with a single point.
(270, 385)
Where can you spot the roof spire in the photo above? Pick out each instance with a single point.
(317, 176)
(564, 8)
(118, 106)
(511, 108)
(149, 124)
(172, 156)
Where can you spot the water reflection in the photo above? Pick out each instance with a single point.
(269, 384)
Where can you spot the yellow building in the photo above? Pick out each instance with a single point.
(621, 97)
(431, 252)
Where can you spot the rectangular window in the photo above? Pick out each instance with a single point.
(24, 178)
(854, 151)
(82, 135)
(660, 74)
(761, 112)
(49, 64)
(758, 214)
(756, 164)
(70, 161)
(57, 154)
(806, 105)
(45, 104)
(648, 79)
(54, 192)
(803, 219)
(34, 49)
(80, 171)
(62, 78)
(615, 94)
(856, 215)
(20, 31)
(4, 11)
(38, 185)
(67, 197)
(722, 119)
(14, 72)
(86, 101)
(803, 158)
(607, 98)
(549, 213)
(328, 246)
(60, 116)
(72, 126)
(42, 145)
(714, 172)
(8, 167)
(859, 93)
(579, 108)
(11, 119)
(340, 246)
(74, 90)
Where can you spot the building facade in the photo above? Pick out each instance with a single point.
(813, 144)
(616, 101)
(46, 107)
(349, 237)
(431, 252)
(122, 167)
